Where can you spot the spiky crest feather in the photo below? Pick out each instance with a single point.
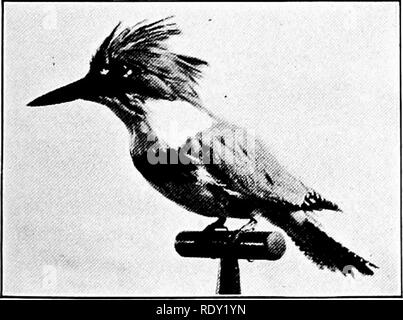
(139, 53)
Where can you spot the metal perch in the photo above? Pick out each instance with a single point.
(221, 244)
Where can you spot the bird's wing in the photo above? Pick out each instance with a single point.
(243, 164)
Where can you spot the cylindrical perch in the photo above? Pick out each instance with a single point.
(220, 244)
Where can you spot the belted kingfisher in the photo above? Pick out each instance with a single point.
(208, 172)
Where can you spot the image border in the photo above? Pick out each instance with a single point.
(218, 297)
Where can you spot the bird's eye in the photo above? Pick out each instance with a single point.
(128, 73)
(104, 72)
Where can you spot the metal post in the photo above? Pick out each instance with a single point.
(228, 280)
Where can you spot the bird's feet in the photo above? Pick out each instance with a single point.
(218, 224)
(250, 226)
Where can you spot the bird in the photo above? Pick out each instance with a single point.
(217, 169)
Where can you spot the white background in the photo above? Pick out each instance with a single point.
(319, 82)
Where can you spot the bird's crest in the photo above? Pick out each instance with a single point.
(139, 53)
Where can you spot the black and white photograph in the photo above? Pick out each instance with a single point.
(218, 149)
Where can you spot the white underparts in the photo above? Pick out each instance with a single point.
(175, 121)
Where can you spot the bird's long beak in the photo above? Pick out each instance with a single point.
(75, 90)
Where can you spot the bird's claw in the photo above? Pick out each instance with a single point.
(249, 227)
(217, 225)
(211, 228)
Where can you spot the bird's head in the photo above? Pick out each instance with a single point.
(132, 65)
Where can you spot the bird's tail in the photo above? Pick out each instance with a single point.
(321, 248)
